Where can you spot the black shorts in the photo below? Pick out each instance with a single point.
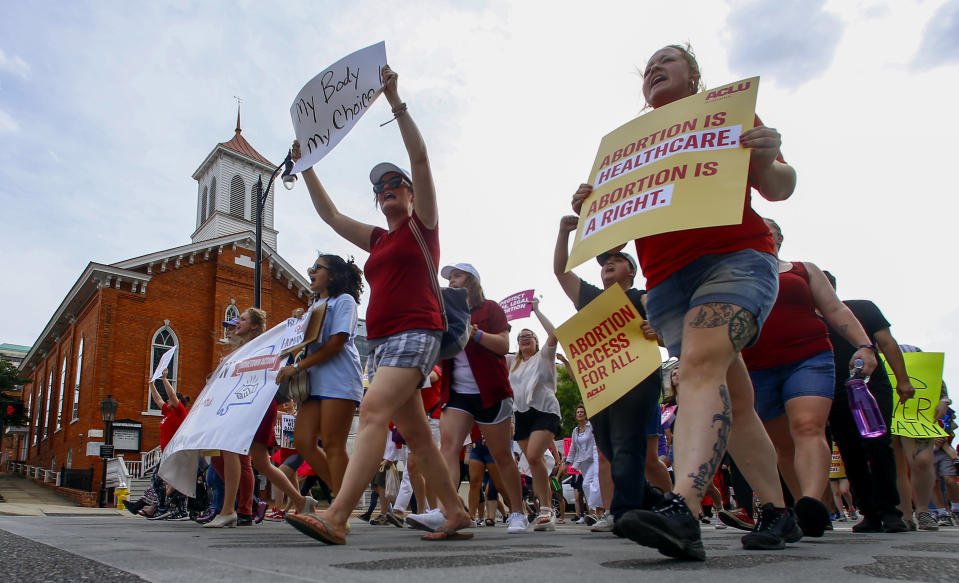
(532, 420)
(473, 404)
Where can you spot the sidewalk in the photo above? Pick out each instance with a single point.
(24, 497)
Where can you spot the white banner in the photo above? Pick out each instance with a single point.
(328, 107)
(228, 411)
(164, 362)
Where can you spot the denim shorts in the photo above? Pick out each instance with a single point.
(410, 349)
(480, 453)
(748, 279)
(812, 377)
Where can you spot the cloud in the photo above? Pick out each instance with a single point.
(791, 42)
(940, 39)
(8, 125)
(14, 65)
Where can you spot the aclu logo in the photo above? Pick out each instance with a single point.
(726, 91)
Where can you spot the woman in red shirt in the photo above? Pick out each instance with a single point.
(792, 370)
(709, 291)
(403, 324)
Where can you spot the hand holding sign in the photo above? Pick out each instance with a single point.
(163, 364)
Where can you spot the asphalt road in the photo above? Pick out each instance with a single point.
(84, 547)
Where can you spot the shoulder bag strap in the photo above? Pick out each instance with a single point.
(430, 268)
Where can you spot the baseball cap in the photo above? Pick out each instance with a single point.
(602, 258)
(383, 168)
(233, 322)
(447, 271)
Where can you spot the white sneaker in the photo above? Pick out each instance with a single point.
(582, 520)
(429, 521)
(309, 505)
(603, 524)
(518, 524)
(719, 524)
(546, 521)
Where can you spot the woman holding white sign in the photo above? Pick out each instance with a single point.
(403, 324)
(710, 290)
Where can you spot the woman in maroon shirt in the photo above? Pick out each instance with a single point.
(793, 375)
(403, 323)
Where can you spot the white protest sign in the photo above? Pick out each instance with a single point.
(229, 409)
(328, 107)
(164, 362)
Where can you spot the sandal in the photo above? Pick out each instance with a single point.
(316, 527)
(444, 533)
(490, 522)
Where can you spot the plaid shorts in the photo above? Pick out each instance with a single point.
(409, 349)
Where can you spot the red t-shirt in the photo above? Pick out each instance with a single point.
(662, 255)
(489, 368)
(401, 295)
(793, 331)
(431, 396)
(172, 419)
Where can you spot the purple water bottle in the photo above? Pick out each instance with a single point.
(863, 405)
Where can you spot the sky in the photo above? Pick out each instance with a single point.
(108, 107)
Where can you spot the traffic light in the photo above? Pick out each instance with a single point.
(12, 410)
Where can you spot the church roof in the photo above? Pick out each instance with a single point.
(239, 145)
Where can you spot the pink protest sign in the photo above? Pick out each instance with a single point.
(567, 443)
(518, 305)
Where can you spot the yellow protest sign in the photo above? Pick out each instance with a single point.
(916, 417)
(606, 348)
(678, 167)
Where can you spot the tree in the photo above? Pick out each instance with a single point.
(568, 395)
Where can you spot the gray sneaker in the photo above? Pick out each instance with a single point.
(926, 521)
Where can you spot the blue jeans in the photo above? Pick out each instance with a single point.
(748, 279)
(620, 431)
(216, 487)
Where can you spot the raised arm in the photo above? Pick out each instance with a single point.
(547, 325)
(172, 399)
(568, 280)
(154, 395)
(840, 318)
(424, 199)
(352, 230)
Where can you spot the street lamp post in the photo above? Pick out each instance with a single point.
(108, 409)
(289, 180)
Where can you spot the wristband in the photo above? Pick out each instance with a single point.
(479, 336)
(861, 346)
(296, 366)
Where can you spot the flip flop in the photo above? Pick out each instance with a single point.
(444, 533)
(316, 527)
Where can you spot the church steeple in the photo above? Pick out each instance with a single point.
(227, 179)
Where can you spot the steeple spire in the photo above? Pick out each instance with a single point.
(238, 101)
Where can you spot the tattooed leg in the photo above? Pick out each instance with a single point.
(722, 424)
(741, 322)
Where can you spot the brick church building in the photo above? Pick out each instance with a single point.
(107, 335)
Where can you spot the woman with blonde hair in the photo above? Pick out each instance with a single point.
(537, 413)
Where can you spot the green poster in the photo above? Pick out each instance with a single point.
(915, 417)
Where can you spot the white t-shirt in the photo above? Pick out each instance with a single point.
(534, 381)
(463, 381)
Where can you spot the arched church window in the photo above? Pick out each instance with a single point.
(231, 312)
(163, 340)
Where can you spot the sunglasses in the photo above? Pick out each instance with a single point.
(394, 182)
(316, 267)
(525, 337)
